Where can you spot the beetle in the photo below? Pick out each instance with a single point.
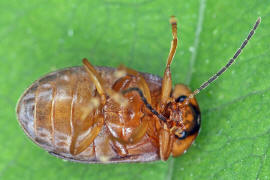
(107, 115)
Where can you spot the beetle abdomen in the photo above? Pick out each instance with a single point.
(45, 107)
(54, 113)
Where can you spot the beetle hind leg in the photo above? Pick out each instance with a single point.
(89, 139)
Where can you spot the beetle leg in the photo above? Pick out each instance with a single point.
(165, 143)
(88, 140)
(121, 149)
(136, 136)
(141, 82)
(117, 97)
(167, 79)
(96, 79)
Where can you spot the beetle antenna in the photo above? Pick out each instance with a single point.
(160, 116)
(231, 61)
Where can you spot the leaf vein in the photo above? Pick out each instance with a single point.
(202, 6)
(196, 41)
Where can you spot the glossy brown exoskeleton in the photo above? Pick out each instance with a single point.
(99, 114)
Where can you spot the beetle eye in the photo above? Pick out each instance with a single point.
(181, 135)
(180, 99)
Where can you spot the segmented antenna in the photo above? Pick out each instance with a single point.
(160, 116)
(231, 61)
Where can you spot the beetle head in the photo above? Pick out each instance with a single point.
(183, 118)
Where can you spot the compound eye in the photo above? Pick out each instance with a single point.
(180, 99)
(181, 135)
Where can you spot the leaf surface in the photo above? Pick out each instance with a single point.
(38, 37)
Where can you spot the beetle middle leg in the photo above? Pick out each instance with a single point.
(140, 82)
(96, 79)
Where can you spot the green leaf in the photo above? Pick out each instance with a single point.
(38, 37)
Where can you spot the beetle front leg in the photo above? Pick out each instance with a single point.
(165, 143)
(167, 79)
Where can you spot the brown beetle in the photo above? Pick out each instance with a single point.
(99, 114)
